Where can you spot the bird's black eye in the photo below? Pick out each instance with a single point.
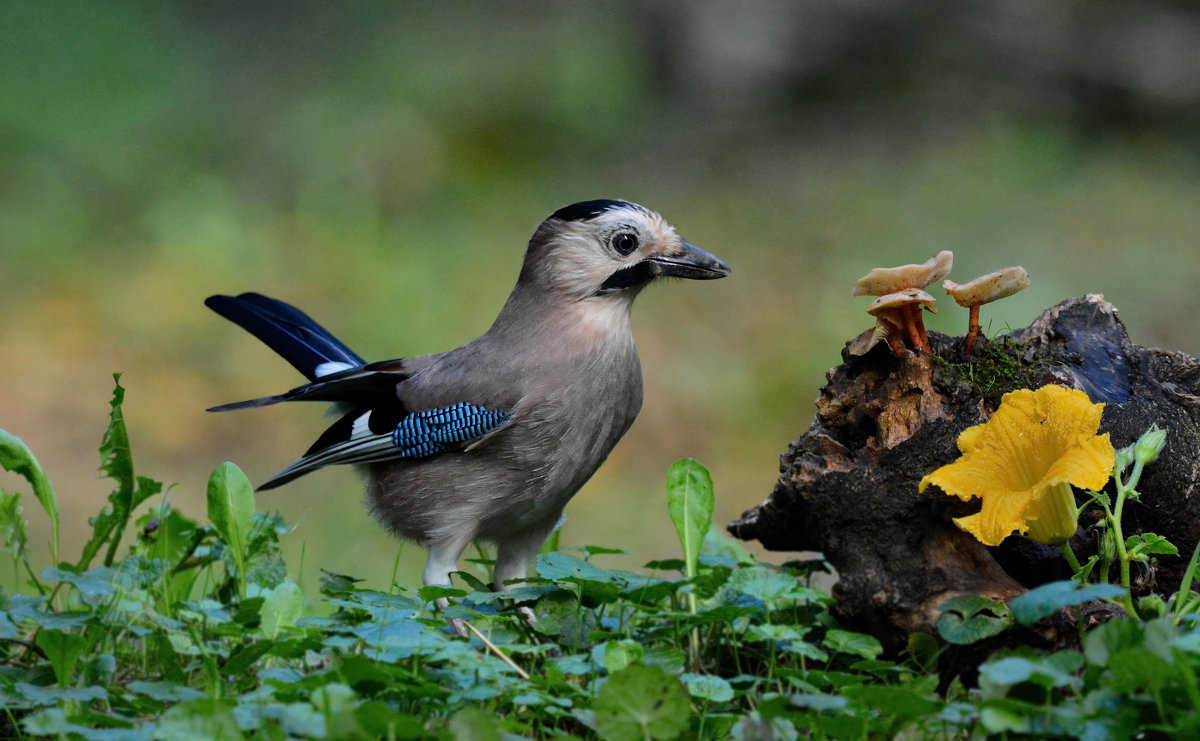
(624, 244)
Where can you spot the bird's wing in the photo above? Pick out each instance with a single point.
(389, 431)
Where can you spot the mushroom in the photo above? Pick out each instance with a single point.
(984, 290)
(901, 312)
(901, 309)
(882, 281)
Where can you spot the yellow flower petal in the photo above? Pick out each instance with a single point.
(1019, 462)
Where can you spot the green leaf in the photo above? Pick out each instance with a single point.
(970, 618)
(16, 456)
(1185, 585)
(431, 592)
(116, 462)
(244, 656)
(1106, 639)
(1145, 544)
(12, 524)
(1048, 599)
(167, 534)
(231, 511)
(857, 644)
(690, 501)
(474, 724)
(1134, 669)
(924, 650)
(641, 702)
(708, 687)
(165, 691)
(282, 607)
(893, 703)
(564, 567)
(996, 676)
(620, 654)
(195, 719)
(63, 650)
(763, 584)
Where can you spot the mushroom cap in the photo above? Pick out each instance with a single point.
(882, 281)
(887, 307)
(988, 288)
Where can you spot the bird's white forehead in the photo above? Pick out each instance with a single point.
(628, 218)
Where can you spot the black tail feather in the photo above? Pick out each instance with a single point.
(285, 329)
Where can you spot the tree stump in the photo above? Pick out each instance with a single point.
(848, 486)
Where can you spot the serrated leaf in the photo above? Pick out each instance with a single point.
(431, 592)
(1146, 544)
(640, 702)
(690, 501)
(116, 463)
(282, 607)
(1048, 599)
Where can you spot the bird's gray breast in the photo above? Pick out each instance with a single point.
(579, 415)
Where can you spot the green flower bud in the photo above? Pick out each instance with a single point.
(1108, 546)
(1149, 445)
(1151, 606)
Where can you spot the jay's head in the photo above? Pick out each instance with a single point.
(610, 249)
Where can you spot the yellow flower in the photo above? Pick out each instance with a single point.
(1022, 464)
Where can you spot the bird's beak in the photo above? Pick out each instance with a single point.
(693, 263)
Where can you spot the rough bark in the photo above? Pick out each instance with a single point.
(848, 486)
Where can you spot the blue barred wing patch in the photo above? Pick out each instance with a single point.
(423, 434)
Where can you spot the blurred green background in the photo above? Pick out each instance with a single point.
(382, 165)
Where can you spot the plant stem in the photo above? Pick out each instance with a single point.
(1114, 523)
(1072, 561)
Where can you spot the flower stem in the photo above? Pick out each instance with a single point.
(1072, 561)
(1114, 523)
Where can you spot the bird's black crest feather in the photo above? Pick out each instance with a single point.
(585, 210)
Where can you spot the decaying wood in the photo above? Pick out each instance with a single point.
(848, 486)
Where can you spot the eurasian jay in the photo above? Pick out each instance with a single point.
(491, 440)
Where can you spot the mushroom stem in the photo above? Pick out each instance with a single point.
(915, 326)
(910, 315)
(973, 329)
(896, 344)
(920, 320)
